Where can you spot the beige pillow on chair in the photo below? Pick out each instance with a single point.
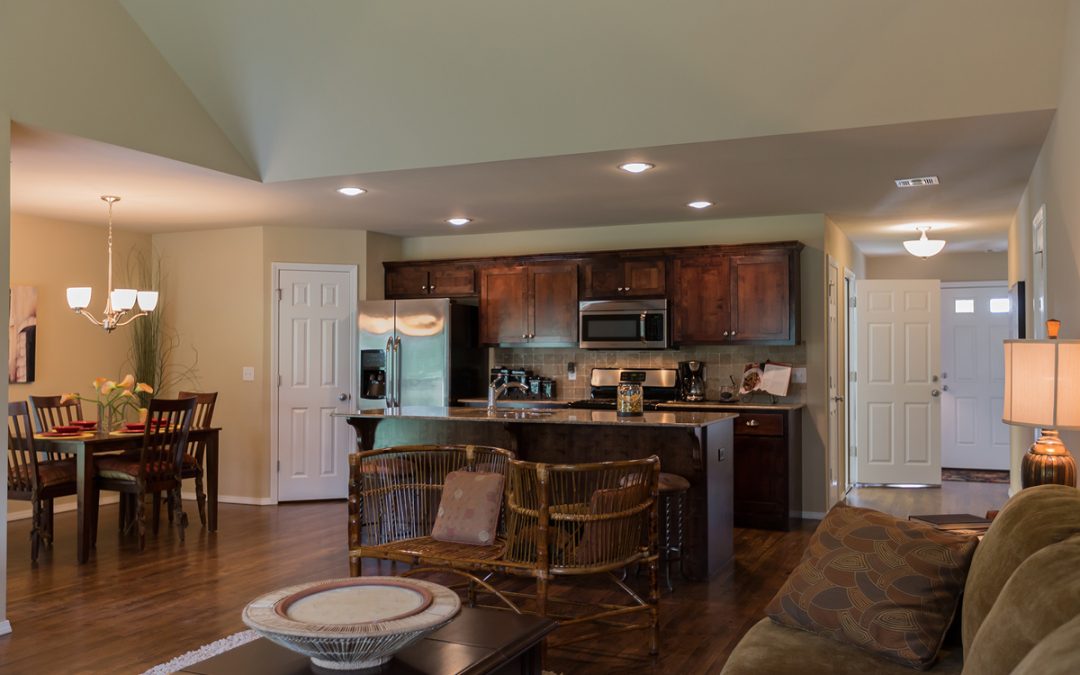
(469, 509)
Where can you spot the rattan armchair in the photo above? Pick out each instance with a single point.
(560, 521)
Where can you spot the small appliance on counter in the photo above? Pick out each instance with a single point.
(692, 381)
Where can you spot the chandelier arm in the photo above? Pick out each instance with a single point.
(89, 316)
(129, 319)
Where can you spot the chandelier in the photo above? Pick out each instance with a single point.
(117, 302)
(924, 247)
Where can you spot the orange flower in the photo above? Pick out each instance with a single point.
(144, 388)
(128, 382)
(127, 394)
(107, 387)
(68, 398)
(99, 381)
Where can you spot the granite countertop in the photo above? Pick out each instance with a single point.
(674, 405)
(684, 419)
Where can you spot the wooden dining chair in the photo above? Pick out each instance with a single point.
(195, 453)
(156, 469)
(49, 412)
(35, 480)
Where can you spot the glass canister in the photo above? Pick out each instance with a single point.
(630, 395)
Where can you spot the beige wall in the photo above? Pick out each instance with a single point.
(809, 229)
(843, 250)
(219, 311)
(5, 235)
(964, 266)
(70, 350)
(1054, 182)
(381, 248)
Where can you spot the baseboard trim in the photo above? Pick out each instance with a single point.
(808, 515)
(25, 514)
(233, 499)
(5, 627)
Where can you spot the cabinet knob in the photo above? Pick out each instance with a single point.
(432, 286)
(524, 336)
(732, 333)
(725, 333)
(423, 288)
(620, 289)
(753, 423)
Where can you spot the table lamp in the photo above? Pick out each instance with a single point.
(1042, 390)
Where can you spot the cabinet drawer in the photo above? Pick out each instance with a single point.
(759, 424)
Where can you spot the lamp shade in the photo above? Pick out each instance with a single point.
(78, 297)
(147, 300)
(924, 247)
(123, 299)
(1042, 383)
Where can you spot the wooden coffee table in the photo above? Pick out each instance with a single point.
(477, 641)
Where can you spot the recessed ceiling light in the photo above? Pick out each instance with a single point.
(351, 191)
(700, 204)
(459, 221)
(636, 167)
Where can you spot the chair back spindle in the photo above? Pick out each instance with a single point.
(164, 438)
(22, 460)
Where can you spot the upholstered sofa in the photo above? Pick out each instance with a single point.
(1020, 609)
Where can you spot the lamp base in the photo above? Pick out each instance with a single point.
(1048, 461)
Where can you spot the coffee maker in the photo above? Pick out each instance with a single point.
(692, 380)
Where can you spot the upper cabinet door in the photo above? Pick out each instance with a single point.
(601, 278)
(761, 293)
(407, 281)
(450, 281)
(504, 305)
(553, 292)
(644, 278)
(701, 305)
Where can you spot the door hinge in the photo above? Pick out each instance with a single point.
(279, 293)
(854, 376)
(279, 380)
(279, 466)
(851, 303)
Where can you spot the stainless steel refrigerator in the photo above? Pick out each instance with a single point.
(420, 352)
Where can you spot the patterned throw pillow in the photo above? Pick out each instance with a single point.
(469, 509)
(886, 585)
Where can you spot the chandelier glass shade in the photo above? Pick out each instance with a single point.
(924, 247)
(118, 302)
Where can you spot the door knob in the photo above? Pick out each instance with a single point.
(935, 393)
(343, 397)
(838, 399)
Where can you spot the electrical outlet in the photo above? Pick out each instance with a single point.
(571, 371)
(798, 375)
(248, 374)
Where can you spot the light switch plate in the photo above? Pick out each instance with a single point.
(798, 375)
(571, 371)
(248, 374)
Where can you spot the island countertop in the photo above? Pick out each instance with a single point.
(694, 420)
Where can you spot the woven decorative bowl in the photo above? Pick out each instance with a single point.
(352, 624)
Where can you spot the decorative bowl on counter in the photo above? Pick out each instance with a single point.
(352, 624)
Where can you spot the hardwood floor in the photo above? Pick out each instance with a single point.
(125, 611)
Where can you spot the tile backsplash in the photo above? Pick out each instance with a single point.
(721, 361)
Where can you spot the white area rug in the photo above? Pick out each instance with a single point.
(204, 652)
(213, 649)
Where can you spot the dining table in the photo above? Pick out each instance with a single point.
(86, 446)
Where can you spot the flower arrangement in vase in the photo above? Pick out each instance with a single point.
(113, 399)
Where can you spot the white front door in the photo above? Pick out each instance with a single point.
(974, 323)
(316, 323)
(899, 360)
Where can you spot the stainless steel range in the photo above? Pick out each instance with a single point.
(660, 386)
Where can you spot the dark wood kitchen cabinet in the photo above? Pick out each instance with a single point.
(768, 468)
(740, 297)
(529, 305)
(412, 280)
(612, 277)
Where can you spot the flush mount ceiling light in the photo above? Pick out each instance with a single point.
(636, 167)
(458, 222)
(924, 247)
(117, 302)
(351, 191)
(701, 204)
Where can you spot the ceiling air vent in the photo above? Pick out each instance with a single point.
(917, 182)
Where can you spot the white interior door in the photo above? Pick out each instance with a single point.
(899, 356)
(316, 321)
(974, 322)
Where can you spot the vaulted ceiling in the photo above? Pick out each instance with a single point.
(517, 112)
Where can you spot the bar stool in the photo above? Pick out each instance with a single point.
(672, 507)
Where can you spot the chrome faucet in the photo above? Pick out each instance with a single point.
(495, 390)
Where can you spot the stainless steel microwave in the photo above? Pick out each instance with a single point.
(623, 324)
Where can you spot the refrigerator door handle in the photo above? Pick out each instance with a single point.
(397, 371)
(390, 403)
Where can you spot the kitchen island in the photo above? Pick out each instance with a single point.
(695, 445)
